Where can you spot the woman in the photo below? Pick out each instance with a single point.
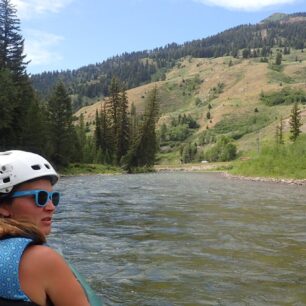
(31, 273)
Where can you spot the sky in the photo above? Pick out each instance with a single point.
(69, 34)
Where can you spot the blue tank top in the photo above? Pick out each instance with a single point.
(11, 250)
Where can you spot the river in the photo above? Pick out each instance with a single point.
(184, 239)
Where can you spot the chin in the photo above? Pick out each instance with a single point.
(45, 231)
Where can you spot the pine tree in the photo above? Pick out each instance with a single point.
(35, 136)
(104, 139)
(62, 133)
(122, 143)
(112, 116)
(278, 59)
(8, 97)
(90, 153)
(142, 152)
(98, 138)
(11, 42)
(133, 123)
(81, 139)
(295, 122)
(25, 99)
(17, 93)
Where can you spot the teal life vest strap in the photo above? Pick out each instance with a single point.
(93, 299)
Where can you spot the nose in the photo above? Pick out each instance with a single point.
(50, 206)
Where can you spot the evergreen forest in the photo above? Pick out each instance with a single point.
(47, 125)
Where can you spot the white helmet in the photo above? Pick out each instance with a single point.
(19, 166)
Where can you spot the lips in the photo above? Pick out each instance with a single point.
(46, 219)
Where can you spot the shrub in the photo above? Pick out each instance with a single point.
(224, 150)
(178, 133)
(207, 137)
(237, 126)
(285, 96)
(188, 153)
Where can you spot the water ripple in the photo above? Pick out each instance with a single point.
(185, 239)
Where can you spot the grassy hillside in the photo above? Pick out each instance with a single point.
(232, 87)
(91, 82)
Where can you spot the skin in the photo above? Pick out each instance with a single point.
(24, 208)
(43, 272)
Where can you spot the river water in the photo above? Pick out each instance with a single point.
(185, 239)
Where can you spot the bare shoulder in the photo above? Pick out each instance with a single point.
(39, 250)
(36, 251)
(43, 264)
(42, 257)
(38, 268)
(52, 274)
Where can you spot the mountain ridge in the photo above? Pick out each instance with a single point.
(91, 82)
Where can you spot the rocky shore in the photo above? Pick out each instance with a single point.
(222, 168)
(265, 179)
(191, 167)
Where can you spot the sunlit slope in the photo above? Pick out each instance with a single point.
(232, 88)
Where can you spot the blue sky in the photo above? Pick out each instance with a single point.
(68, 34)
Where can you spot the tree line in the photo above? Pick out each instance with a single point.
(121, 137)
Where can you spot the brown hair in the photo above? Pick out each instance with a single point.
(13, 228)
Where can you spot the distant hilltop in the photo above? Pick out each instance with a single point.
(285, 18)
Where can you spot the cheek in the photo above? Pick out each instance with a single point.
(24, 209)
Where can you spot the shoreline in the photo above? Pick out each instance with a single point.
(222, 169)
(192, 167)
(300, 182)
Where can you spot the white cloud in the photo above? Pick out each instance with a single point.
(30, 8)
(39, 46)
(245, 5)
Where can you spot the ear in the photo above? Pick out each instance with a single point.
(4, 211)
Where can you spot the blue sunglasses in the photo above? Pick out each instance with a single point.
(42, 197)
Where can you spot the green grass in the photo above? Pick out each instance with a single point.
(279, 77)
(79, 169)
(282, 161)
(286, 95)
(173, 97)
(237, 126)
(300, 75)
(169, 158)
(295, 54)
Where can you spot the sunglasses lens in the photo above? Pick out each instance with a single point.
(42, 198)
(55, 198)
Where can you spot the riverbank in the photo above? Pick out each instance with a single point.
(198, 167)
(225, 168)
(265, 179)
(89, 169)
